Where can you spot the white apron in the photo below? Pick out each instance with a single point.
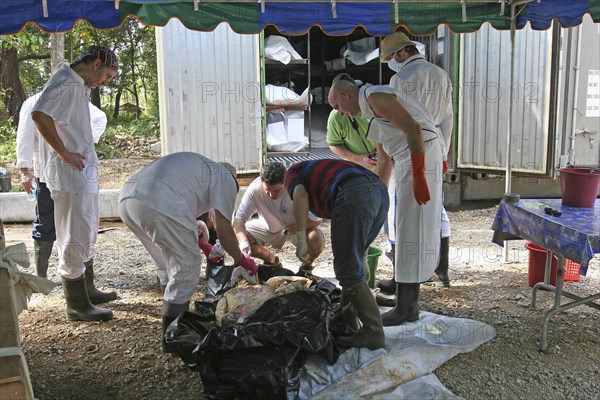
(417, 226)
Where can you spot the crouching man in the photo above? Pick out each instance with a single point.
(275, 224)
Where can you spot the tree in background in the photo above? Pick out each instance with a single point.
(24, 66)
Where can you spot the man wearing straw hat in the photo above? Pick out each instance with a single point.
(431, 85)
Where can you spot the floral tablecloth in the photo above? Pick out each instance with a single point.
(575, 234)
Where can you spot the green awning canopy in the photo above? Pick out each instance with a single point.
(297, 17)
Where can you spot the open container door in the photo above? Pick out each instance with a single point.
(484, 101)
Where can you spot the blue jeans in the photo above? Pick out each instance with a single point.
(43, 226)
(360, 209)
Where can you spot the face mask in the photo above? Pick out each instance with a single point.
(394, 65)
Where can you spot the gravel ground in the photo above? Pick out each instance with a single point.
(119, 359)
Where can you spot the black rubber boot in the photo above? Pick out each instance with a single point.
(95, 295)
(385, 300)
(42, 251)
(388, 286)
(79, 307)
(370, 335)
(348, 312)
(407, 305)
(170, 311)
(441, 278)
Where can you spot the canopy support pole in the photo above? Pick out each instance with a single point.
(508, 183)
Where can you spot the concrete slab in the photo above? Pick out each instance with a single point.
(14, 206)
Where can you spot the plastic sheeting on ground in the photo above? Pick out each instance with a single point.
(286, 350)
(403, 369)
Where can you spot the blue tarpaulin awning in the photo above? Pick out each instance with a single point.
(297, 17)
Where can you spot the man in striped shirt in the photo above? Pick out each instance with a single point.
(357, 202)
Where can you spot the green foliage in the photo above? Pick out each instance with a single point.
(30, 40)
(144, 127)
(120, 133)
(8, 141)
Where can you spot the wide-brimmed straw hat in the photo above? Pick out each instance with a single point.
(393, 43)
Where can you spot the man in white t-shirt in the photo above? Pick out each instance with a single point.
(275, 224)
(69, 166)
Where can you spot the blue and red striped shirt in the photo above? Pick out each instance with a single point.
(321, 179)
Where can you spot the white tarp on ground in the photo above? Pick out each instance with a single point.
(403, 369)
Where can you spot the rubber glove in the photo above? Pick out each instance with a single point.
(247, 263)
(445, 167)
(301, 246)
(240, 273)
(420, 188)
(246, 249)
(206, 249)
(27, 180)
(217, 252)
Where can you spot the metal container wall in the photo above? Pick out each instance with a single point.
(210, 94)
(484, 100)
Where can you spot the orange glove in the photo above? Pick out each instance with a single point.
(445, 167)
(420, 188)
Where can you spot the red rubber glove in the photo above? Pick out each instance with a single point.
(445, 167)
(420, 188)
(206, 249)
(247, 263)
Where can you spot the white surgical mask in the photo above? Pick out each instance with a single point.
(394, 65)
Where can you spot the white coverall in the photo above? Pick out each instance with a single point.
(160, 205)
(28, 137)
(65, 99)
(417, 226)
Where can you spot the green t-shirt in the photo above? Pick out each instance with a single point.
(340, 132)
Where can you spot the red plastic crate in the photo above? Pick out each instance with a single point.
(571, 271)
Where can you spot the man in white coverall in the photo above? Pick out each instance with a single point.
(69, 166)
(160, 204)
(404, 132)
(431, 85)
(43, 232)
(275, 224)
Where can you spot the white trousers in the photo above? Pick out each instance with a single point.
(173, 247)
(76, 222)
